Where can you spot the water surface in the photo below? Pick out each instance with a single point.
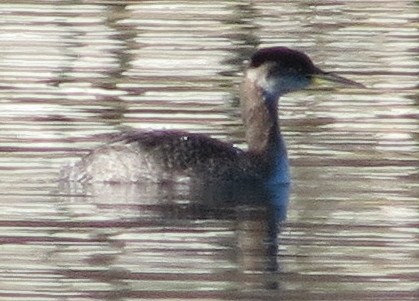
(72, 71)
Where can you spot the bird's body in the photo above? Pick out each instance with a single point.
(161, 156)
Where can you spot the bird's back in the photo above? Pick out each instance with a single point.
(157, 156)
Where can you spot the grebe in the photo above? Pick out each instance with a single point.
(160, 156)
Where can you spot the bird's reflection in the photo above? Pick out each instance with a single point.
(253, 211)
(258, 211)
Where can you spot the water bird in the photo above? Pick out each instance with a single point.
(163, 155)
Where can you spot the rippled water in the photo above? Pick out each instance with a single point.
(71, 71)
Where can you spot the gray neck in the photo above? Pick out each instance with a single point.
(263, 136)
(260, 118)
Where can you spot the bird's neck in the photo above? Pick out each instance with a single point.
(263, 135)
(260, 117)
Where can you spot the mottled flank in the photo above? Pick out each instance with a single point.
(161, 156)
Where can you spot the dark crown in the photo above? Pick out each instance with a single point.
(285, 57)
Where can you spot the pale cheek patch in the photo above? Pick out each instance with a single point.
(259, 77)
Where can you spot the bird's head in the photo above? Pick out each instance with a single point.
(279, 70)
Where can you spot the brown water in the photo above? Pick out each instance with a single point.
(70, 70)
